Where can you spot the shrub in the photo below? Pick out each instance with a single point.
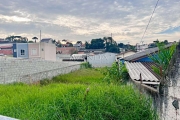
(117, 72)
(86, 65)
(163, 57)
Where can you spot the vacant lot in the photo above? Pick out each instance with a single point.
(80, 95)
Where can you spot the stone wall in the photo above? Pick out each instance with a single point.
(32, 70)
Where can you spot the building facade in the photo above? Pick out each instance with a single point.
(46, 51)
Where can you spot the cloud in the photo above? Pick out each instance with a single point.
(88, 19)
(14, 19)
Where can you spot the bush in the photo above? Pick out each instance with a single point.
(86, 65)
(117, 72)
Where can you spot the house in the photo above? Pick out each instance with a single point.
(142, 47)
(1, 39)
(139, 66)
(143, 56)
(47, 40)
(43, 50)
(20, 50)
(101, 60)
(48, 51)
(6, 49)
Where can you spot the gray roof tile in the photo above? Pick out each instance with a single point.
(137, 68)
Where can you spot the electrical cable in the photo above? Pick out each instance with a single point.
(150, 20)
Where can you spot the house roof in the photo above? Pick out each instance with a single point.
(126, 52)
(144, 53)
(46, 39)
(149, 65)
(6, 47)
(1, 39)
(135, 68)
(65, 50)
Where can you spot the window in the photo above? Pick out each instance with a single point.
(22, 52)
(33, 51)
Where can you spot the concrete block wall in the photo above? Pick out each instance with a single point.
(32, 70)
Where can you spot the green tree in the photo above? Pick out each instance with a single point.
(164, 55)
(18, 39)
(113, 48)
(121, 45)
(30, 42)
(166, 42)
(156, 41)
(97, 44)
(70, 44)
(87, 45)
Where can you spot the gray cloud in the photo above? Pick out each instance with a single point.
(88, 19)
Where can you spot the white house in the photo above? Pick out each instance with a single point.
(102, 60)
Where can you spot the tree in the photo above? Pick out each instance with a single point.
(96, 44)
(166, 42)
(111, 45)
(79, 42)
(87, 45)
(10, 38)
(112, 48)
(121, 45)
(69, 44)
(106, 43)
(163, 57)
(30, 42)
(35, 38)
(156, 41)
(18, 39)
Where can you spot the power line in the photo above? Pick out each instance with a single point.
(150, 20)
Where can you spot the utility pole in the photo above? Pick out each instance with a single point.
(40, 35)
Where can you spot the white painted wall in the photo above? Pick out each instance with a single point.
(102, 60)
(48, 51)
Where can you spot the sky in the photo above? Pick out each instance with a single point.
(83, 20)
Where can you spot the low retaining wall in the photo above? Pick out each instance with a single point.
(47, 74)
(32, 70)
